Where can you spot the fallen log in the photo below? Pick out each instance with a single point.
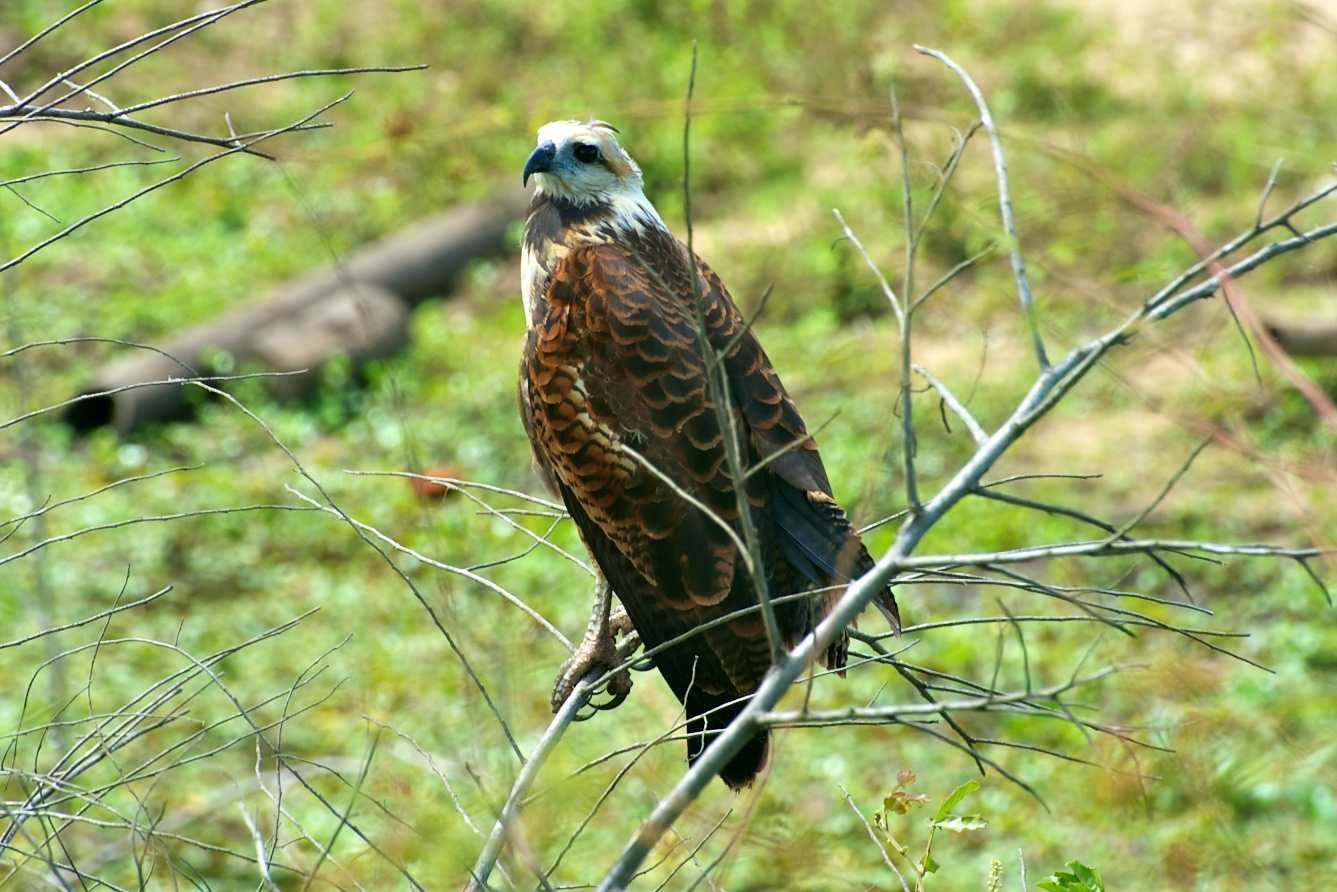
(359, 309)
(1309, 339)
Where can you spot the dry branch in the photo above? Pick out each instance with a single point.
(1052, 384)
(81, 781)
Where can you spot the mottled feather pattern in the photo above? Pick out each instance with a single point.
(613, 363)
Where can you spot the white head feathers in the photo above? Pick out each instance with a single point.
(581, 162)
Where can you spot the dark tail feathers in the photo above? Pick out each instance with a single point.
(707, 717)
(818, 541)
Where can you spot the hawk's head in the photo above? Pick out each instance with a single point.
(581, 162)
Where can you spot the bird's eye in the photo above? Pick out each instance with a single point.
(585, 153)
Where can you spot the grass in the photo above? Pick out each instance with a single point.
(791, 120)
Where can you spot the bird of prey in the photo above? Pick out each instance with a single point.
(625, 329)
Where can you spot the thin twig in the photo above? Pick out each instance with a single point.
(1051, 385)
(960, 411)
(96, 167)
(1023, 283)
(487, 859)
(872, 834)
(242, 147)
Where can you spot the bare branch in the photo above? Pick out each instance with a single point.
(130, 521)
(1052, 383)
(960, 411)
(109, 612)
(877, 715)
(19, 50)
(1004, 203)
(887, 290)
(506, 818)
(244, 146)
(872, 834)
(95, 167)
(431, 562)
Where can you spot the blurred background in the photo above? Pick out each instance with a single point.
(403, 694)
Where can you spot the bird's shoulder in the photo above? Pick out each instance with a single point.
(630, 301)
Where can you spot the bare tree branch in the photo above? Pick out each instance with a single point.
(1023, 283)
(242, 146)
(1053, 382)
(478, 877)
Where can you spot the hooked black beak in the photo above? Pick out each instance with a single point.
(540, 161)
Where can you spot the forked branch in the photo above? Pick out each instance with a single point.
(1052, 384)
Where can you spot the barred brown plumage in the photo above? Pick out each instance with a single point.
(614, 378)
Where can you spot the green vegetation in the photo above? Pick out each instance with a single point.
(791, 119)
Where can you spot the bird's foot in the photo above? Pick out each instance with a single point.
(599, 651)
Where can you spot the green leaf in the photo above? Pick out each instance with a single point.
(1064, 882)
(927, 864)
(958, 794)
(1082, 879)
(1088, 875)
(961, 823)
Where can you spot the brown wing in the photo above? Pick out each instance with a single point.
(815, 536)
(613, 361)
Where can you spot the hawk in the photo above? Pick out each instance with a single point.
(625, 329)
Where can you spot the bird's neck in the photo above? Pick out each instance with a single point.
(557, 225)
(574, 221)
